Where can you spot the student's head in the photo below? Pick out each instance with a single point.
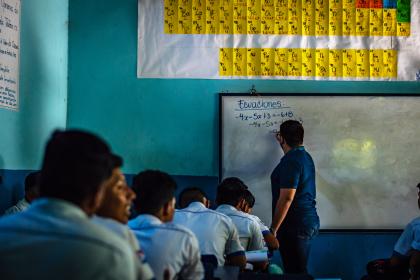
(231, 191)
(32, 186)
(418, 195)
(117, 198)
(291, 133)
(155, 192)
(192, 194)
(75, 167)
(249, 201)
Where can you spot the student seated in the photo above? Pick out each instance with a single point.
(230, 200)
(55, 238)
(114, 211)
(169, 248)
(269, 238)
(31, 193)
(397, 266)
(216, 233)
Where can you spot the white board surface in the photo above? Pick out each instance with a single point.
(365, 148)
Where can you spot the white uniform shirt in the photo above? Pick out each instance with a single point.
(409, 237)
(22, 205)
(145, 271)
(216, 233)
(55, 239)
(249, 231)
(168, 247)
(264, 229)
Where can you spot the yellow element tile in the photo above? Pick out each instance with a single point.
(253, 62)
(253, 17)
(349, 21)
(267, 17)
(389, 22)
(403, 29)
(362, 22)
(239, 17)
(362, 63)
(294, 16)
(321, 62)
(198, 16)
(212, 16)
(349, 63)
(267, 62)
(308, 17)
(376, 63)
(335, 21)
(308, 62)
(239, 61)
(336, 63)
(184, 17)
(321, 18)
(294, 62)
(390, 65)
(349, 4)
(170, 25)
(226, 17)
(376, 22)
(280, 62)
(280, 17)
(225, 61)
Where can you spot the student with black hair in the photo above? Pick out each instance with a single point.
(114, 211)
(55, 238)
(269, 238)
(230, 201)
(31, 193)
(295, 220)
(217, 235)
(169, 248)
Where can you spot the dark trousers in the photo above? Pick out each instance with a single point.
(295, 245)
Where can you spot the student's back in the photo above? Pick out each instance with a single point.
(216, 233)
(54, 239)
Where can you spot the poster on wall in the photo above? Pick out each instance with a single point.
(9, 53)
(355, 40)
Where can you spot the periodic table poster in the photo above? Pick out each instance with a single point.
(377, 40)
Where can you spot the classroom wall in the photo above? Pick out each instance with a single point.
(42, 94)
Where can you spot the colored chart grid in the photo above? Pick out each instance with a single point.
(288, 17)
(296, 62)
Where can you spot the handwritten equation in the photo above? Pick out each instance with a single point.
(337, 63)
(262, 113)
(288, 17)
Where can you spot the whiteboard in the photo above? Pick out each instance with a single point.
(365, 149)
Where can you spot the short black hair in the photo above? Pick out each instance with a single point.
(292, 131)
(32, 181)
(189, 195)
(75, 165)
(230, 191)
(153, 189)
(249, 198)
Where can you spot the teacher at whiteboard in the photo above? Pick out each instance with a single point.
(295, 220)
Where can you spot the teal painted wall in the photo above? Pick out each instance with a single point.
(43, 84)
(157, 123)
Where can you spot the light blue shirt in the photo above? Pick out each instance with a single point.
(216, 233)
(249, 231)
(408, 238)
(55, 239)
(168, 247)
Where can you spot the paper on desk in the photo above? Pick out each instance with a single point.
(256, 256)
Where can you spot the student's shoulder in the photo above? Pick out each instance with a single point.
(177, 229)
(414, 223)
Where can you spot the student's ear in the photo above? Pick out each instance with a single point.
(168, 210)
(207, 204)
(241, 204)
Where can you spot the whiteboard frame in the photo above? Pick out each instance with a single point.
(254, 93)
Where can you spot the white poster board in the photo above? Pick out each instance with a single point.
(350, 40)
(365, 150)
(9, 53)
